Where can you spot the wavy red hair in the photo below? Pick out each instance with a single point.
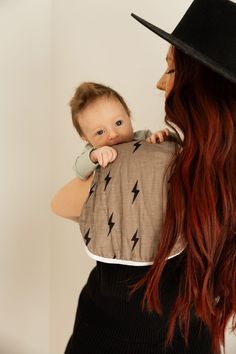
(201, 202)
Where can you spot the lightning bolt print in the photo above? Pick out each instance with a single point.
(110, 223)
(87, 238)
(135, 191)
(137, 145)
(107, 179)
(91, 191)
(135, 239)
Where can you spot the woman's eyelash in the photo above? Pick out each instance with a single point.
(170, 71)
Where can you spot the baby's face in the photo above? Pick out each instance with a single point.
(105, 122)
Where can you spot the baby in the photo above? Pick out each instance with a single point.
(102, 119)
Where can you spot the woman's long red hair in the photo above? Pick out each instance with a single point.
(201, 202)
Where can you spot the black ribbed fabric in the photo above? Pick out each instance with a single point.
(108, 322)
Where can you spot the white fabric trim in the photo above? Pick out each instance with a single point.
(174, 255)
(121, 261)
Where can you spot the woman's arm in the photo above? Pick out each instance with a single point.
(69, 200)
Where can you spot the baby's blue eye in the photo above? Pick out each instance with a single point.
(119, 122)
(100, 132)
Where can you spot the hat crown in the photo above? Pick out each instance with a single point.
(207, 33)
(209, 26)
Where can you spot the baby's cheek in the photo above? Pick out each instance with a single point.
(101, 140)
(129, 137)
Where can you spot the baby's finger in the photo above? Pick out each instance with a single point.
(106, 158)
(159, 137)
(100, 159)
(153, 138)
(166, 131)
(113, 155)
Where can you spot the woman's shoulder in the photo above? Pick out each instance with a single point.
(134, 146)
(144, 150)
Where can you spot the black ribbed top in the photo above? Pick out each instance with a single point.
(108, 322)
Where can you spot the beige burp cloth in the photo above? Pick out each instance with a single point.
(122, 217)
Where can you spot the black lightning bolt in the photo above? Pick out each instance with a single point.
(91, 191)
(135, 239)
(110, 223)
(135, 191)
(107, 179)
(87, 238)
(137, 145)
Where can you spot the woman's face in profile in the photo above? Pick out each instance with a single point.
(166, 81)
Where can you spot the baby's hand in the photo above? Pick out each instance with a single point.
(158, 136)
(103, 155)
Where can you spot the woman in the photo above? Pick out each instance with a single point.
(190, 297)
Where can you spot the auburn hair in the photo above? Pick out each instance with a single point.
(201, 202)
(87, 93)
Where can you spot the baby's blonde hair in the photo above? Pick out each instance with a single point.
(87, 93)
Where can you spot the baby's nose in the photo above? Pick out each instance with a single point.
(113, 134)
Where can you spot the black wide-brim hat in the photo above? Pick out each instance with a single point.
(206, 32)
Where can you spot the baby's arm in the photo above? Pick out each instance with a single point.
(91, 158)
(83, 165)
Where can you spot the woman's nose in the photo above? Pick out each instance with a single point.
(161, 83)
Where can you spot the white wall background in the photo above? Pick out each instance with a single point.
(48, 48)
(26, 172)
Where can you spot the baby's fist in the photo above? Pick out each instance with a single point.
(158, 136)
(103, 155)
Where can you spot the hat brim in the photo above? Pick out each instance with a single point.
(187, 49)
